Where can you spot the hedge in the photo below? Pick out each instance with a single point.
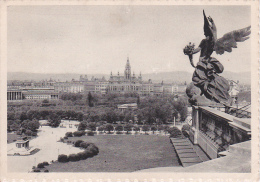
(40, 165)
(74, 157)
(175, 132)
(78, 133)
(69, 134)
(185, 130)
(36, 170)
(84, 145)
(45, 163)
(82, 155)
(93, 148)
(90, 133)
(185, 127)
(63, 158)
(186, 134)
(77, 143)
(88, 153)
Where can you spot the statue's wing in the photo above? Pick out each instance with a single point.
(206, 28)
(229, 40)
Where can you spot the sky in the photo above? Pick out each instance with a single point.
(98, 39)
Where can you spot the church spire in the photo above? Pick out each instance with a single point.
(140, 76)
(127, 70)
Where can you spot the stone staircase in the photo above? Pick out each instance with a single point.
(187, 153)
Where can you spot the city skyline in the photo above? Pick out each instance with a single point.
(98, 39)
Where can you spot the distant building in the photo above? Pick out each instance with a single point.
(125, 107)
(40, 94)
(69, 87)
(19, 93)
(14, 93)
(234, 88)
(126, 83)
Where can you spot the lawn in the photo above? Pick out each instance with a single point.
(12, 137)
(122, 153)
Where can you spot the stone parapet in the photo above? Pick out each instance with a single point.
(214, 131)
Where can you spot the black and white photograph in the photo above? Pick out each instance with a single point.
(130, 89)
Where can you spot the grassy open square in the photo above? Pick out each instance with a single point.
(122, 153)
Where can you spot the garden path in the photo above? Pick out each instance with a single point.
(48, 145)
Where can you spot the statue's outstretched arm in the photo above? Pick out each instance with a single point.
(196, 50)
(191, 58)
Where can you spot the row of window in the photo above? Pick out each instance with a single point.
(38, 97)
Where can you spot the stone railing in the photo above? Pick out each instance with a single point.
(214, 130)
(240, 113)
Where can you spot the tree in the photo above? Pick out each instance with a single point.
(23, 116)
(181, 105)
(80, 116)
(13, 125)
(71, 114)
(92, 126)
(94, 115)
(136, 128)
(119, 128)
(10, 115)
(109, 128)
(28, 132)
(145, 128)
(127, 117)
(90, 100)
(71, 96)
(54, 120)
(82, 126)
(101, 128)
(138, 100)
(153, 128)
(24, 124)
(31, 114)
(128, 128)
(160, 128)
(33, 125)
(111, 116)
(166, 128)
(44, 114)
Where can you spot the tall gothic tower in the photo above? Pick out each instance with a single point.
(127, 70)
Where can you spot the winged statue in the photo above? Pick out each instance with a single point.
(205, 76)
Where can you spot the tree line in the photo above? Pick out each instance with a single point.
(150, 110)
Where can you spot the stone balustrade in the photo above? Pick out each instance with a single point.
(214, 131)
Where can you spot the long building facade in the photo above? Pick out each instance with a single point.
(127, 82)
